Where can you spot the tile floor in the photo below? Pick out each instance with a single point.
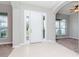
(45, 49)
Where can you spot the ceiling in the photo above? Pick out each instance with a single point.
(66, 8)
(45, 4)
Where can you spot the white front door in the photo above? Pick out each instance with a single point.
(36, 27)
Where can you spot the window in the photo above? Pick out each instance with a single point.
(60, 27)
(3, 25)
(43, 26)
(27, 27)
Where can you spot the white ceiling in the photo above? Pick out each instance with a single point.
(44, 4)
(66, 8)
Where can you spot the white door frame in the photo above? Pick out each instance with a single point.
(43, 14)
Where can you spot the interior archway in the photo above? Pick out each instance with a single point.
(66, 26)
(5, 28)
(60, 5)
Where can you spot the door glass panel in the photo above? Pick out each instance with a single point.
(43, 26)
(27, 27)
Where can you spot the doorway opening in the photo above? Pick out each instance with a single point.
(35, 26)
(66, 27)
(5, 29)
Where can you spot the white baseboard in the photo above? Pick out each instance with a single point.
(50, 41)
(16, 46)
(74, 38)
(5, 43)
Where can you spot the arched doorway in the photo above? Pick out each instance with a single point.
(5, 28)
(66, 26)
